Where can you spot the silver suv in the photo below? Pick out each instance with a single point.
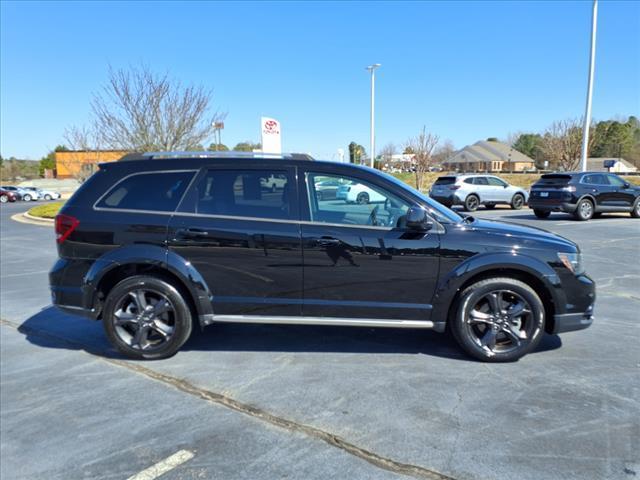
(471, 191)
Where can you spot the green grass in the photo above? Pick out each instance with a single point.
(48, 210)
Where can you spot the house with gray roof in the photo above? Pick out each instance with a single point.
(489, 156)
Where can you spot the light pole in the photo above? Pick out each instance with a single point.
(587, 113)
(372, 146)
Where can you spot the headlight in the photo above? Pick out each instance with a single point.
(573, 261)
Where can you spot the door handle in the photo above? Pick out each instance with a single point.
(327, 241)
(191, 233)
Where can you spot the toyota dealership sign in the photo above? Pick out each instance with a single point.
(271, 140)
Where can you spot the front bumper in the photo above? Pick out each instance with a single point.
(580, 295)
(570, 322)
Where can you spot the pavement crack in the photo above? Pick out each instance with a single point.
(293, 426)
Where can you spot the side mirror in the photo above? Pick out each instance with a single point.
(627, 185)
(417, 219)
(506, 186)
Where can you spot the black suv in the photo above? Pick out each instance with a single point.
(584, 194)
(155, 245)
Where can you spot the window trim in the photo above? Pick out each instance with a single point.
(135, 210)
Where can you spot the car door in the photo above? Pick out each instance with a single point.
(243, 238)
(599, 188)
(358, 261)
(482, 189)
(622, 195)
(498, 190)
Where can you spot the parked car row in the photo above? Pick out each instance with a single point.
(9, 193)
(583, 194)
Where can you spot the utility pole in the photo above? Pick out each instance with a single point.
(372, 146)
(587, 113)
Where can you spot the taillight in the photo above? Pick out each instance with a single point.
(65, 224)
(570, 188)
(454, 187)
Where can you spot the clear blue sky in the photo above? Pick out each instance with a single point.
(466, 70)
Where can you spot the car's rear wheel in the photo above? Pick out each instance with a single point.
(47, 197)
(27, 198)
(517, 201)
(471, 203)
(146, 318)
(489, 206)
(635, 211)
(584, 210)
(498, 319)
(541, 213)
(362, 198)
(4, 198)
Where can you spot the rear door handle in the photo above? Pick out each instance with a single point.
(327, 241)
(191, 233)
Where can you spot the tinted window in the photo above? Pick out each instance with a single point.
(480, 181)
(445, 181)
(496, 182)
(554, 179)
(615, 181)
(244, 193)
(353, 202)
(595, 179)
(469, 181)
(159, 192)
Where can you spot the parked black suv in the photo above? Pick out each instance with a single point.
(584, 194)
(155, 244)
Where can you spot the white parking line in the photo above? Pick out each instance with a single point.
(164, 466)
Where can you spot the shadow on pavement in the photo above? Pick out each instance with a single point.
(51, 328)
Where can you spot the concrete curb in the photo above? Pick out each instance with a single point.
(30, 219)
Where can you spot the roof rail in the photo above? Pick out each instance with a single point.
(201, 154)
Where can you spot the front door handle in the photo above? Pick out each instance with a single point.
(191, 233)
(327, 242)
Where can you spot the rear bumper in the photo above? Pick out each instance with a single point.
(446, 201)
(552, 206)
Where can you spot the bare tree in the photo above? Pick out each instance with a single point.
(423, 147)
(139, 110)
(443, 152)
(388, 151)
(561, 143)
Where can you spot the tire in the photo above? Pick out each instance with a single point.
(541, 213)
(501, 337)
(517, 202)
(47, 197)
(584, 210)
(27, 198)
(4, 199)
(471, 203)
(635, 211)
(362, 198)
(122, 319)
(490, 206)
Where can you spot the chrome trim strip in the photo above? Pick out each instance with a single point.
(336, 321)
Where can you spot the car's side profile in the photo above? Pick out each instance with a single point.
(17, 192)
(155, 248)
(354, 192)
(584, 194)
(7, 196)
(42, 194)
(474, 190)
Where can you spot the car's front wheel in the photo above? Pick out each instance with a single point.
(27, 198)
(47, 197)
(635, 211)
(4, 198)
(498, 319)
(146, 318)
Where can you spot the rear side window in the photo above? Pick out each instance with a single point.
(445, 181)
(158, 191)
(243, 193)
(480, 181)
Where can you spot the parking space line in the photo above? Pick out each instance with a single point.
(164, 466)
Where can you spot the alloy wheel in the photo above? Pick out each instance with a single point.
(144, 319)
(501, 321)
(586, 209)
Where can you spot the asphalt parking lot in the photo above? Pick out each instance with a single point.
(321, 402)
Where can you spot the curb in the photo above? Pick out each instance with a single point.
(30, 219)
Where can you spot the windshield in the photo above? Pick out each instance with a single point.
(440, 212)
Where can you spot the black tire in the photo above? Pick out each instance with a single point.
(362, 198)
(635, 211)
(513, 336)
(541, 213)
(489, 206)
(517, 202)
(47, 197)
(27, 198)
(584, 210)
(176, 322)
(471, 203)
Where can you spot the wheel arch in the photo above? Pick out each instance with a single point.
(535, 273)
(118, 264)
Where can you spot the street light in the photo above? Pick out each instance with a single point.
(587, 113)
(372, 146)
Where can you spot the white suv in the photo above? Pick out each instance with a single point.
(471, 191)
(358, 193)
